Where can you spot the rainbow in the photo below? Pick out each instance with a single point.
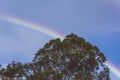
(42, 29)
(32, 26)
(114, 69)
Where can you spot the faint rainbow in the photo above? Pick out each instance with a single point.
(42, 29)
(115, 4)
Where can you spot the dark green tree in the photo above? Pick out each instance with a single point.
(71, 59)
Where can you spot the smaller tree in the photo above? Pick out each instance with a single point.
(14, 70)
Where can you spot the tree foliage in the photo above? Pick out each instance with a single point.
(71, 59)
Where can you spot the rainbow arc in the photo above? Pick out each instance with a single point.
(42, 29)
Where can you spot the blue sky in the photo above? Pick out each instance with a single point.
(98, 21)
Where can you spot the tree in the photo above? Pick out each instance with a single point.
(71, 59)
(13, 71)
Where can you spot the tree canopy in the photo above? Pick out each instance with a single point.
(70, 59)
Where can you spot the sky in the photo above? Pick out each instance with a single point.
(98, 21)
